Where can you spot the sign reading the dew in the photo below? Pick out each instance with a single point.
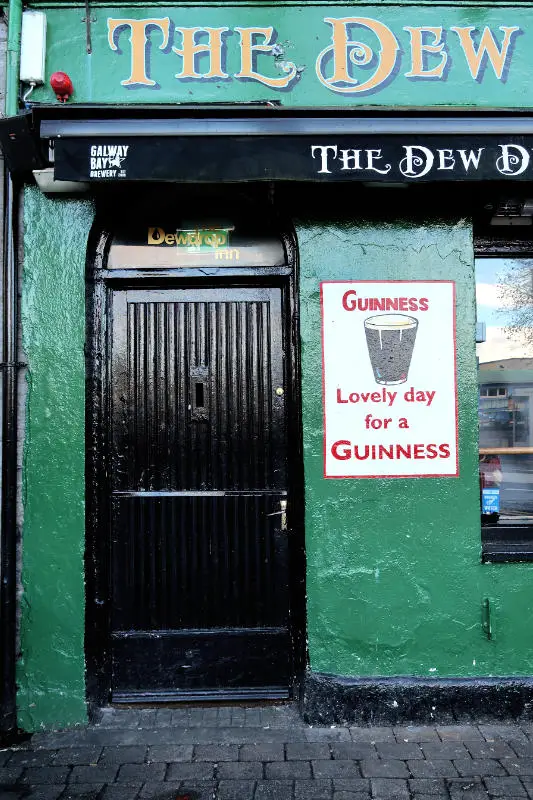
(389, 379)
(305, 55)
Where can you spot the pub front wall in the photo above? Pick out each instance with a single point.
(394, 580)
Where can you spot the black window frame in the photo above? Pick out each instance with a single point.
(513, 543)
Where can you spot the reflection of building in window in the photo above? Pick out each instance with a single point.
(506, 403)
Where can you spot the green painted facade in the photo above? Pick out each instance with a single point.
(51, 669)
(394, 581)
(377, 47)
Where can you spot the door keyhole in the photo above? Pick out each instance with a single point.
(199, 399)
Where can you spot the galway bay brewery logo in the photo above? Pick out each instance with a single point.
(106, 160)
(390, 407)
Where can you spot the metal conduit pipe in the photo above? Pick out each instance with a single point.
(9, 378)
(8, 520)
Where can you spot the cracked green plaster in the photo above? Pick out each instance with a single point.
(51, 667)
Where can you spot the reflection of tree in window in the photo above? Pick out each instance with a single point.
(515, 293)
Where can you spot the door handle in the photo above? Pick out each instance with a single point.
(282, 513)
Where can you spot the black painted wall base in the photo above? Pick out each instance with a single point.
(329, 699)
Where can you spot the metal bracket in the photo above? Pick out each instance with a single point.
(485, 618)
(88, 19)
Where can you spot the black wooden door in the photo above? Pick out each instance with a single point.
(199, 548)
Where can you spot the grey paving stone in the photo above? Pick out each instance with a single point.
(201, 771)
(351, 785)
(5, 755)
(383, 768)
(341, 768)
(521, 748)
(42, 793)
(305, 751)
(134, 754)
(519, 766)
(15, 794)
(467, 789)
(497, 749)
(427, 786)
(353, 750)
(8, 775)
(119, 718)
(253, 717)
(114, 791)
(417, 733)
(443, 794)
(273, 790)
(163, 791)
(385, 788)
(216, 752)
(444, 750)
(238, 716)
(145, 773)
(147, 718)
(163, 717)
(240, 770)
(505, 732)
(509, 786)
(401, 751)
(285, 716)
(169, 752)
(199, 790)
(31, 758)
(434, 768)
(261, 752)
(44, 775)
(236, 790)
(224, 715)
(288, 769)
(93, 774)
(372, 734)
(51, 741)
(73, 756)
(326, 735)
(469, 767)
(351, 796)
(210, 715)
(180, 717)
(226, 736)
(312, 790)
(458, 733)
(83, 791)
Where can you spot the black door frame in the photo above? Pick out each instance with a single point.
(99, 282)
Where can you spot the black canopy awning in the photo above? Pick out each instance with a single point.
(194, 144)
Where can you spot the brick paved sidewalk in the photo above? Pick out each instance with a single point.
(266, 753)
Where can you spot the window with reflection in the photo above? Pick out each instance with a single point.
(504, 291)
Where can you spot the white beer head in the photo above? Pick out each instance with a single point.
(391, 322)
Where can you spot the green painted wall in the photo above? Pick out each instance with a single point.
(51, 670)
(394, 580)
(381, 49)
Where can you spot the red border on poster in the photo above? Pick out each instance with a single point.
(454, 310)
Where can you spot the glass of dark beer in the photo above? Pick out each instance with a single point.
(390, 340)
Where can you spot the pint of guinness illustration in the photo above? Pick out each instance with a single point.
(390, 340)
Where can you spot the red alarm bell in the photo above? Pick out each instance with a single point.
(62, 86)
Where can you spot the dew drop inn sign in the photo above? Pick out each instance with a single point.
(297, 55)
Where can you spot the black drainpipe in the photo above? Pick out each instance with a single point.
(8, 514)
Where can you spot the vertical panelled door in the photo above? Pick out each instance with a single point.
(199, 544)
